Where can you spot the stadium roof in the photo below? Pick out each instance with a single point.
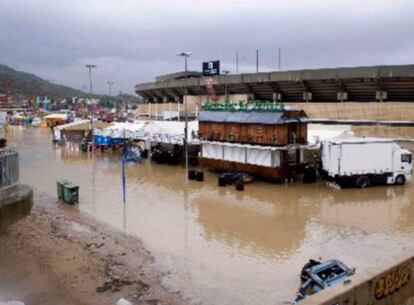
(359, 83)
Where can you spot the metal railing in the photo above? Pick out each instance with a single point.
(9, 166)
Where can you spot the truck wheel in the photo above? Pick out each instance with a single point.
(400, 180)
(363, 182)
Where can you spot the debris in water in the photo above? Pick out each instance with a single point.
(316, 276)
(123, 301)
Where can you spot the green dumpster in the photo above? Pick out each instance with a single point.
(60, 185)
(71, 193)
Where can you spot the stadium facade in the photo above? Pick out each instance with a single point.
(356, 84)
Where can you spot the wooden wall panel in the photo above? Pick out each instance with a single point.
(233, 132)
(251, 133)
(303, 133)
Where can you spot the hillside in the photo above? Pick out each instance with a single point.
(26, 85)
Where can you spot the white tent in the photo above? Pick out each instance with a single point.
(170, 132)
(122, 130)
(166, 131)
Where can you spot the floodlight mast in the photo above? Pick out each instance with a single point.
(185, 55)
(90, 67)
(110, 83)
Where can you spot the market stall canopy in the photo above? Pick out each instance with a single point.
(56, 116)
(121, 130)
(169, 132)
(82, 125)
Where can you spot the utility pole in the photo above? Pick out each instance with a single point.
(257, 61)
(90, 67)
(237, 62)
(226, 72)
(185, 55)
(110, 83)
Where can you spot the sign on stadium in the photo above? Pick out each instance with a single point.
(211, 68)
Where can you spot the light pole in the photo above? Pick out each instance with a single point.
(110, 83)
(90, 67)
(280, 58)
(185, 55)
(226, 72)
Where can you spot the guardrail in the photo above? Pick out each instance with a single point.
(9, 166)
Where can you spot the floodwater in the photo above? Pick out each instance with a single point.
(220, 246)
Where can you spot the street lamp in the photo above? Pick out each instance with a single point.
(185, 55)
(226, 72)
(110, 83)
(90, 67)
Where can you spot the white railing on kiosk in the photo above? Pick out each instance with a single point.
(9, 166)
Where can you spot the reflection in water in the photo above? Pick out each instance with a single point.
(222, 246)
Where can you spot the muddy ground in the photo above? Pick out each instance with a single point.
(57, 256)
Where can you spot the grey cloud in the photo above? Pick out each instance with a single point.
(132, 41)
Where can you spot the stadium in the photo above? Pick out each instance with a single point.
(354, 84)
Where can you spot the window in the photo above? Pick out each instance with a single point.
(406, 158)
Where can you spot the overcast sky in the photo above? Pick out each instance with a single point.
(132, 41)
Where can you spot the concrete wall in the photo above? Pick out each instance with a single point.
(157, 109)
(365, 111)
(356, 111)
(391, 283)
(383, 131)
(347, 110)
(194, 104)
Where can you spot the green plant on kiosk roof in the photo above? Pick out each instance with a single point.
(255, 105)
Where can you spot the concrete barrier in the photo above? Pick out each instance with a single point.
(392, 284)
(15, 203)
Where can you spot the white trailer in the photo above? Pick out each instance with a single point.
(361, 162)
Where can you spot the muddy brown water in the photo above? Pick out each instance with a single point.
(220, 246)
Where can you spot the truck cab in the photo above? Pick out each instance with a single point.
(403, 167)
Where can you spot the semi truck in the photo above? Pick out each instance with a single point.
(362, 162)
